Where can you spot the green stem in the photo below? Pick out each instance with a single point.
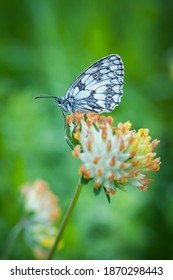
(11, 240)
(66, 217)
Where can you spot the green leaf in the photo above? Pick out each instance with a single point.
(67, 130)
(69, 142)
(107, 195)
(95, 126)
(119, 186)
(97, 191)
(85, 181)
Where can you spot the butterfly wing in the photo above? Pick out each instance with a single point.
(99, 88)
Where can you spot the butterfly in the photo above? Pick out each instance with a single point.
(98, 89)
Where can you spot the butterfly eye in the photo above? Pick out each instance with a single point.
(58, 101)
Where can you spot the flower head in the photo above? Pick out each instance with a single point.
(112, 156)
(41, 212)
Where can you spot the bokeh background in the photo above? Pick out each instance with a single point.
(44, 46)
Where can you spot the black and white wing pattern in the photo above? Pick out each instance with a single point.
(99, 88)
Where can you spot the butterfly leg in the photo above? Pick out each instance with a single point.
(65, 122)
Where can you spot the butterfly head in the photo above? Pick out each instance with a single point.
(61, 102)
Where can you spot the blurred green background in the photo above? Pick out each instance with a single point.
(44, 46)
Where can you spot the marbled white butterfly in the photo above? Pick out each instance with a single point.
(98, 89)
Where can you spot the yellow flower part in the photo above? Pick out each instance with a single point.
(112, 156)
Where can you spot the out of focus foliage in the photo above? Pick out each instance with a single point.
(44, 45)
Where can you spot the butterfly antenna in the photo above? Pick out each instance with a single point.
(45, 96)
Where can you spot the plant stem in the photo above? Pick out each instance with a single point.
(66, 217)
(11, 240)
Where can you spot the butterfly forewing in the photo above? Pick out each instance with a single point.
(99, 88)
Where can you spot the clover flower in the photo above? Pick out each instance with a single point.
(41, 212)
(112, 157)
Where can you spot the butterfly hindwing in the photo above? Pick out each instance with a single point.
(98, 88)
